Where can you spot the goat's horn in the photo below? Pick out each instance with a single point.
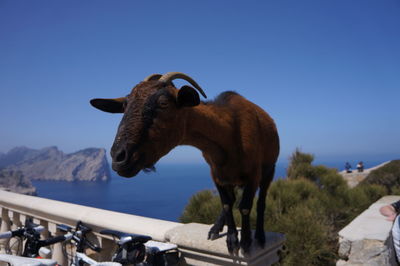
(153, 77)
(168, 77)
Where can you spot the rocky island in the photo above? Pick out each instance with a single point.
(52, 164)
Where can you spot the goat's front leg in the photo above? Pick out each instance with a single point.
(227, 196)
(245, 208)
(217, 227)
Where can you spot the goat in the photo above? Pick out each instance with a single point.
(238, 139)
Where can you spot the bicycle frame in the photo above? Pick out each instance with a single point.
(18, 260)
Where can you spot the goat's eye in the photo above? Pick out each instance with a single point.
(163, 102)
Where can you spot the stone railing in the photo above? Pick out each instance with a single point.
(367, 239)
(190, 238)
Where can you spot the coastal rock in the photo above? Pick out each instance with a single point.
(15, 181)
(52, 164)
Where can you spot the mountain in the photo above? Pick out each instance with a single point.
(15, 181)
(52, 164)
(16, 155)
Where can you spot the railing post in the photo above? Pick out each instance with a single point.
(22, 218)
(5, 226)
(15, 243)
(57, 254)
(107, 248)
(92, 237)
(45, 234)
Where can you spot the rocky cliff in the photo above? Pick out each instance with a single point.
(52, 164)
(15, 181)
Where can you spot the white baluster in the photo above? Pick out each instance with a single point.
(58, 253)
(16, 243)
(45, 234)
(107, 249)
(5, 226)
(22, 218)
(36, 220)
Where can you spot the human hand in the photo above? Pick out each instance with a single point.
(389, 212)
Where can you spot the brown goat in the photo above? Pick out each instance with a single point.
(238, 139)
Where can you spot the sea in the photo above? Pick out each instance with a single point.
(162, 194)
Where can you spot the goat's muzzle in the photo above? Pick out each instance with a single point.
(126, 161)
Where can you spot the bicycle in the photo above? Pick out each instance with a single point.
(81, 243)
(33, 245)
(132, 249)
(141, 250)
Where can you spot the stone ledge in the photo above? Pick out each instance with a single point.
(68, 213)
(192, 241)
(367, 239)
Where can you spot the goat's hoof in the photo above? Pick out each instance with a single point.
(233, 243)
(260, 237)
(245, 243)
(212, 235)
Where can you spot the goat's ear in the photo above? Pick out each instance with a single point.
(187, 96)
(109, 105)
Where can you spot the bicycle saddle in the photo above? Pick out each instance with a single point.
(125, 237)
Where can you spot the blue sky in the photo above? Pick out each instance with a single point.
(328, 72)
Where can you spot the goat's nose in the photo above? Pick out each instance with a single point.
(120, 156)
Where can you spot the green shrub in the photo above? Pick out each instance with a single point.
(310, 208)
(387, 176)
(203, 207)
(300, 166)
(295, 209)
(395, 191)
(285, 194)
(306, 236)
(330, 181)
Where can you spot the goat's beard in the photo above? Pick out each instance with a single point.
(149, 169)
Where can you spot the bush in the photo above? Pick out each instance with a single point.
(387, 176)
(294, 208)
(310, 208)
(203, 207)
(306, 233)
(286, 194)
(300, 165)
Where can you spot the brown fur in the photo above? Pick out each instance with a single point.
(238, 139)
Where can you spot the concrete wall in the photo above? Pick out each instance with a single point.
(367, 239)
(190, 238)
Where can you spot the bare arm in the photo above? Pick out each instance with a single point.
(389, 212)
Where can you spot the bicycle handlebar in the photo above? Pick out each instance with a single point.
(7, 234)
(83, 228)
(92, 246)
(79, 236)
(56, 239)
(21, 231)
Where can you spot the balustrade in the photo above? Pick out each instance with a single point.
(190, 238)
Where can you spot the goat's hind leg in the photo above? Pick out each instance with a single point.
(267, 176)
(245, 208)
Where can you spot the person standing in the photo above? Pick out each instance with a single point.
(360, 166)
(347, 166)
